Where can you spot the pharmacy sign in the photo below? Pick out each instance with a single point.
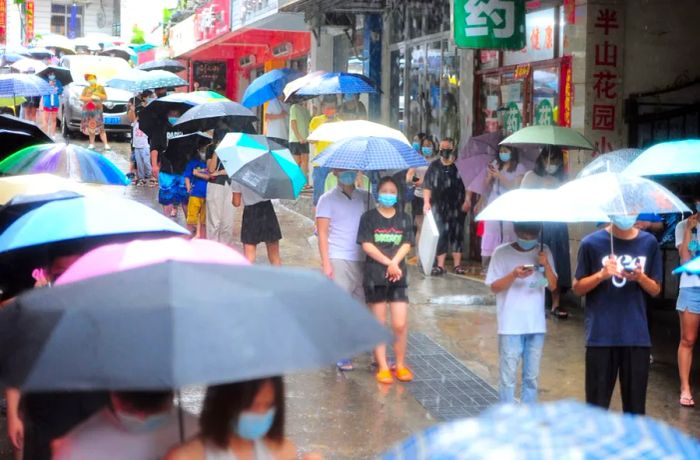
(491, 24)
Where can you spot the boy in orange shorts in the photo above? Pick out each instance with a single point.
(196, 178)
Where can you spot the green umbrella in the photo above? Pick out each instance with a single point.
(549, 135)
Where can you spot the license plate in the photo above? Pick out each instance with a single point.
(112, 120)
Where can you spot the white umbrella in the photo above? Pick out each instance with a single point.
(339, 130)
(28, 65)
(299, 82)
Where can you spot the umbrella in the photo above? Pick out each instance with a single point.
(163, 64)
(295, 85)
(12, 141)
(119, 51)
(62, 74)
(370, 154)
(141, 47)
(57, 42)
(563, 430)
(261, 165)
(540, 205)
(339, 130)
(267, 86)
(40, 184)
(41, 53)
(206, 116)
(615, 162)
(27, 65)
(549, 135)
(18, 84)
(666, 158)
(89, 43)
(181, 149)
(250, 322)
(22, 204)
(336, 83)
(66, 160)
(13, 123)
(691, 267)
(136, 81)
(180, 102)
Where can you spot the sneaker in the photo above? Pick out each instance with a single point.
(91, 146)
(107, 147)
(140, 183)
(345, 365)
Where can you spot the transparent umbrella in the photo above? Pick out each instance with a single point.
(668, 158)
(614, 162)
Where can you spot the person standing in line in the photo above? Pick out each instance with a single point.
(338, 217)
(416, 177)
(196, 178)
(320, 173)
(276, 123)
(92, 122)
(299, 119)
(443, 193)
(386, 236)
(258, 225)
(352, 108)
(51, 102)
(220, 210)
(141, 152)
(518, 274)
(171, 182)
(617, 331)
(688, 303)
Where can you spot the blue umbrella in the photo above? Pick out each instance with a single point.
(336, 83)
(370, 154)
(17, 84)
(564, 430)
(666, 158)
(136, 80)
(12, 54)
(267, 86)
(41, 53)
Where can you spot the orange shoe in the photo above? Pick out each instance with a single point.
(384, 377)
(404, 374)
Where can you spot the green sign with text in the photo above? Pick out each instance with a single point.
(491, 24)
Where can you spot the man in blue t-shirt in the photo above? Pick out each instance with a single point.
(617, 334)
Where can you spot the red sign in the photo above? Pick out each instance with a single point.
(29, 21)
(3, 21)
(570, 11)
(566, 92)
(522, 71)
(212, 19)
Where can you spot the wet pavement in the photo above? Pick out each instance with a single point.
(453, 352)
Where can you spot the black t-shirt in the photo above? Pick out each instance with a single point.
(388, 235)
(445, 185)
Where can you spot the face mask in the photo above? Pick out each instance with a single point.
(52, 77)
(551, 169)
(202, 155)
(504, 156)
(329, 112)
(527, 244)
(416, 146)
(387, 200)
(136, 424)
(253, 426)
(697, 207)
(624, 222)
(172, 120)
(92, 81)
(348, 98)
(347, 177)
(426, 151)
(446, 153)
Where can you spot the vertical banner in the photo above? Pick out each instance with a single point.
(3, 21)
(566, 92)
(72, 21)
(29, 21)
(570, 11)
(491, 24)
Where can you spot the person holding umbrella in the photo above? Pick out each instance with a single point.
(276, 122)
(51, 103)
(219, 207)
(92, 122)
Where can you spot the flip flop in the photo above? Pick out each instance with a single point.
(686, 401)
(557, 312)
(404, 374)
(384, 377)
(345, 365)
(459, 270)
(437, 271)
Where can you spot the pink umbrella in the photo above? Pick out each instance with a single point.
(139, 253)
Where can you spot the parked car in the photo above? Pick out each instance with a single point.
(115, 107)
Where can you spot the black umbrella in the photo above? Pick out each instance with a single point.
(204, 117)
(168, 331)
(12, 141)
(13, 123)
(163, 64)
(62, 74)
(182, 148)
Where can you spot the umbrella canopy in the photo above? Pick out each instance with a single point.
(339, 130)
(370, 154)
(623, 194)
(62, 74)
(614, 162)
(12, 123)
(261, 165)
(180, 102)
(22, 204)
(667, 158)
(136, 80)
(250, 322)
(170, 65)
(18, 84)
(691, 267)
(26, 65)
(336, 83)
(56, 42)
(41, 53)
(267, 86)
(563, 430)
(66, 160)
(41, 184)
(208, 115)
(181, 149)
(540, 205)
(119, 51)
(295, 85)
(549, 135)
(12, 141)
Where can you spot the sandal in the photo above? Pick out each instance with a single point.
(345, 365)
(459, 270)
(557, 312)
(437, 271)
(686, 401)
(404, 374)
(384, 377)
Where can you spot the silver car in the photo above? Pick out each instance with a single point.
(115, 107)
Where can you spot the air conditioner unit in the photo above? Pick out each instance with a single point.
(247, 61)
(282, 49)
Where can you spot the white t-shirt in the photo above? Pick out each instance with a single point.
(520, 308)
(139, 138)
(687, 280)
(103, 437)
(247, 194)
(280, 127)
(344, 213)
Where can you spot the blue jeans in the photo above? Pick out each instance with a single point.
(511, 349)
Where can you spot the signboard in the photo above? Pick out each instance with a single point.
(540, 38)
(209, 75)
(3, 21)
(566, 92)
(544, 114)
(512, 119)
(491, 24)
(29, 21)
(212, 20)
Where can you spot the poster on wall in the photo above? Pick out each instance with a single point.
(490, 24)
(212, 20)
(209, 75)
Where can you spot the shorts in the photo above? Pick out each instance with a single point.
(417, 206)
(689, 300)
(196, 211)
(348, 275)
(171, 189)
(32, 102)
(50, 109)
(376, 294)
(297, 148)
(259, 224)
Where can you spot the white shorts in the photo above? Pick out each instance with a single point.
(348, 274)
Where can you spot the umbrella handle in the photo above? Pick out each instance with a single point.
(180, 416)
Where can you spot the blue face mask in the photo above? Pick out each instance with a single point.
(253, 426)
(347, 177)
(136, 424)
(427, 151)
(172, 120)
(624, 222)
(527, 244)
(52, 77)
(504, 156)
(416, 146)
(387, 200)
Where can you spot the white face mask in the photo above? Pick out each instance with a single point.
(551, 168)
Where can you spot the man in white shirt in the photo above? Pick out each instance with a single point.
(338, 216)
(518, 274)
(276, 122)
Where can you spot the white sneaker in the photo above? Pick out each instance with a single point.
(107, 147)
(91, 146)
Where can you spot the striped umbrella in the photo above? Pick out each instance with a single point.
(261, 165)
(368, 153)
(136, 81)
(17, 84)
(65, 160)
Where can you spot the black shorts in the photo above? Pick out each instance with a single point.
(259, 224)
(376, 294)
(33, 102)
(417, 206)
(297, 148)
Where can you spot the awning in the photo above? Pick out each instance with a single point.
(313, 7)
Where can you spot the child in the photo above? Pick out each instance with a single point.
(139, 141)
(517, 274)
(196, 178)
(259, 224)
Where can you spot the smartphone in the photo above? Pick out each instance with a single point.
(415, 178)
(529, 266)
(629, 270)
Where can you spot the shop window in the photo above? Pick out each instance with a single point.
(432, 85)
(396, 96)
(545, 96)
(489, 103)
(61, 19)
(449, 83)
(427, 17)
(417, 115)
(398, 25)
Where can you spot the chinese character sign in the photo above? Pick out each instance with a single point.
(3, 21)
(512, 120)
(491, 24)
(544, 115)
(29, 21)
